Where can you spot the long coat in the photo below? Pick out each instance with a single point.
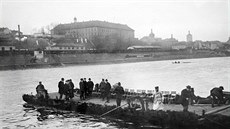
(185, 95)
(61, 87)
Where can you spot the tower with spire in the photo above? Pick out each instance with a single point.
(189, 37)
(151, 34)
(75, 20)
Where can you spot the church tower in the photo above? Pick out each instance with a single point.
(189, 37)
(75, 20)
(151, 34)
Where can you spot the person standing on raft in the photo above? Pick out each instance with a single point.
(157, 100)
(217, 95)
(61, 87)
(119, 93)
(185, 95)
(107, 90)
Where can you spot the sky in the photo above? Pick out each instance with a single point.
(207, 20)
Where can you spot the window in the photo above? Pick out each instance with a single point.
(72, 47)
(60, 47)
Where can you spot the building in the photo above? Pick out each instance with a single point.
(91, 29)
(168, 42)
(151, 39)
(7, 47)
(143, 48)
(189, 37)
(66, 47)
(179, 46)
(71, 44)
(5, 31)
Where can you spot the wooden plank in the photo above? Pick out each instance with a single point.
(217, 110)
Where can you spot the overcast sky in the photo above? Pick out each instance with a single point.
(206, 19)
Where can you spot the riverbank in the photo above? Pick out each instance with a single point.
(14, 62)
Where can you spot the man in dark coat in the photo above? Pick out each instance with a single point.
(71, 89)
(86, 89)
(119, 93)
(185, 95)
(107, 90)
(90, 85)
(82, 89)
(40, 88)
(66, 89)
(217, 95)
(61, 87)
(42, 93)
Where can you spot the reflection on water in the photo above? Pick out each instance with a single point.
(202, 74)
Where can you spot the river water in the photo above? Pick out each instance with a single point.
(202, 74)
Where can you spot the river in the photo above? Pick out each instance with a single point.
(202, 74)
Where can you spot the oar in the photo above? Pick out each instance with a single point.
(113, 109)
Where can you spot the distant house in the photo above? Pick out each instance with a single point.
(15, 33)
(72, 44)
(4, 31)
(66, 47)
(179, 46)
(143, 48)
(7, 47)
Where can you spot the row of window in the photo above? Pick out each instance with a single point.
(71, 48)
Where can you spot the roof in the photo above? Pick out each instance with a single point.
(2, 29)
(68, 45)
(87, 24)
(132, 47)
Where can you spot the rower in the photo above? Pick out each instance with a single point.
(41, 91)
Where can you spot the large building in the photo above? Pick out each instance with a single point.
(91, 29)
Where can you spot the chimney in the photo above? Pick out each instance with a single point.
(19, 35)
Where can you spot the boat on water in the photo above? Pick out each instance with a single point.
(126, 114)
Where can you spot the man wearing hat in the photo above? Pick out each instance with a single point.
(217, 95)
(185, 95)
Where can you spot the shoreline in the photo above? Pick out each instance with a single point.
(104, 62)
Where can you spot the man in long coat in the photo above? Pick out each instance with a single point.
(119, 93)
(61, 88)
(185, 95)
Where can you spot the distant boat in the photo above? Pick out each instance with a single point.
(176, 62)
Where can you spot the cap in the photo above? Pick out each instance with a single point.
(156, 87)
(221, 87)
(188, 86)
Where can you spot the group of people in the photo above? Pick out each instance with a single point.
(86, 88)
(66, 88)
(187, 96)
